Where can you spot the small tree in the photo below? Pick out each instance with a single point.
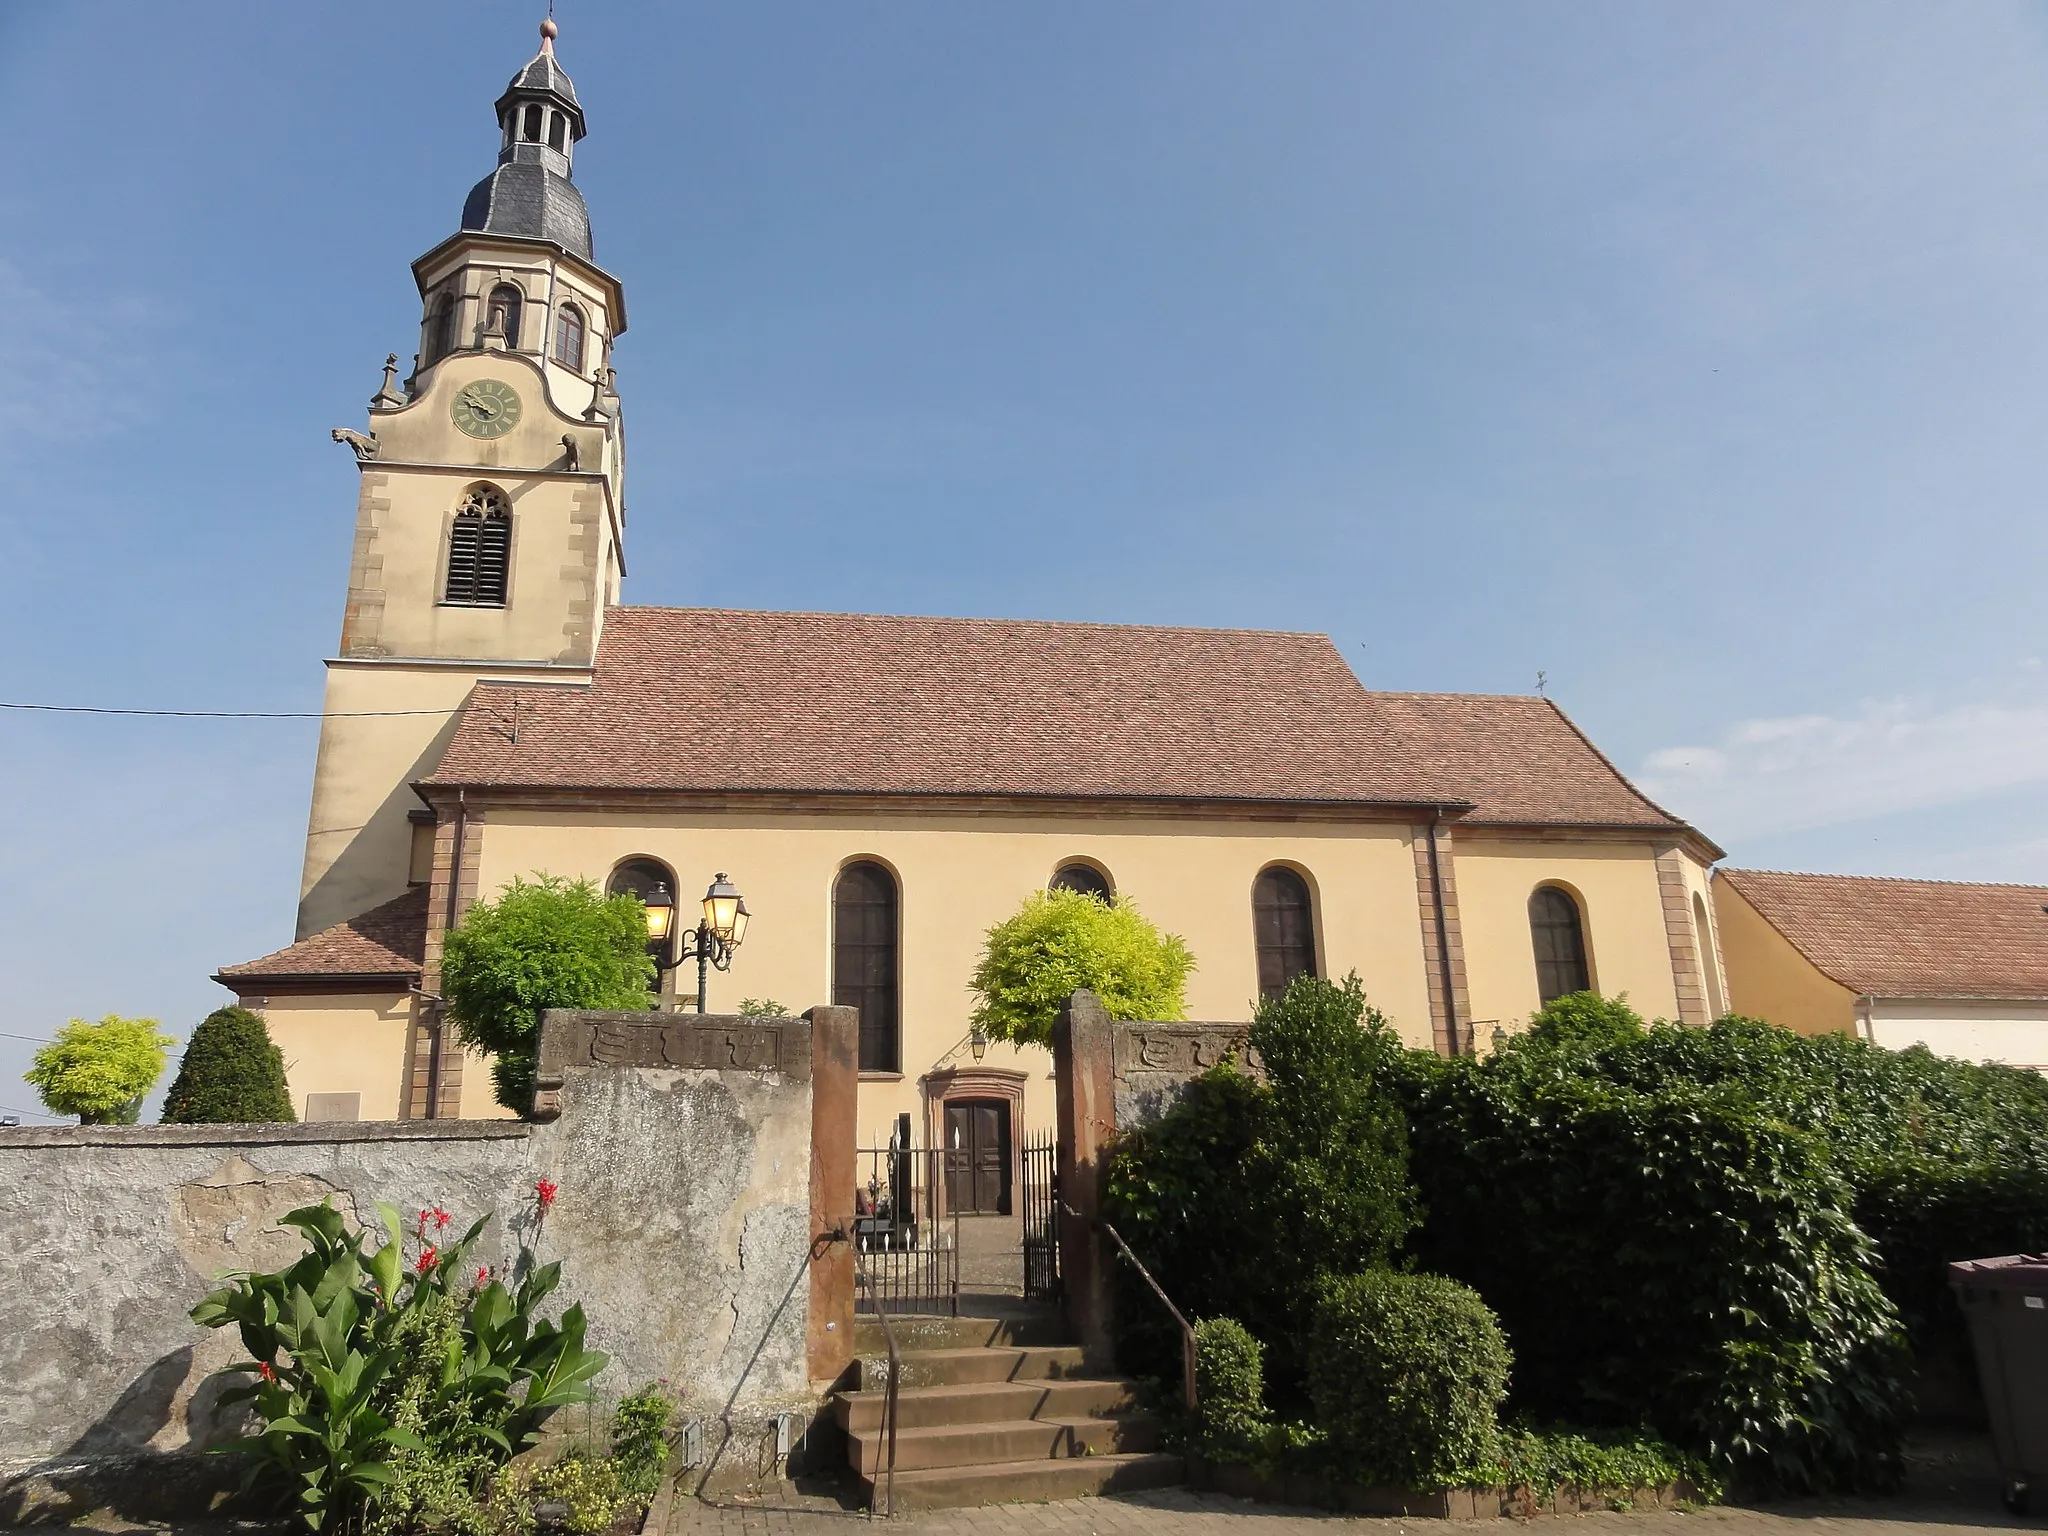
(544, 943)
(1062, 941)
(232, 1074)
(100, 1072)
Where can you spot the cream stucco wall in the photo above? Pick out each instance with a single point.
(1769, 979)
(2015, 1033)
(1619, 901)
(960, 874)
(352, 1043)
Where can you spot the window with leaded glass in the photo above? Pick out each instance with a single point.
(864, 961)
(1284, 929)
(1086, 879)
(1560, 935)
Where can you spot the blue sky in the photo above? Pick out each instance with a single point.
(1695, 356)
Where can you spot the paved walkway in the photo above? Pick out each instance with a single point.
(1952, 1491)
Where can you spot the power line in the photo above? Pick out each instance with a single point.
(227, 714)
(31, 1039)
(9, 1109)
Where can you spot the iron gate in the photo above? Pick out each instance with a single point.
(906, 1244)
(1041, 1211)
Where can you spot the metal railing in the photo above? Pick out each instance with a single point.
(907, 1239)
(1190, 1396)
(1041, 1211)
(886, 1480)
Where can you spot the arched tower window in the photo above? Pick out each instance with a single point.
(530, 129)
(441, 328)
(864, 969)
(504, 313)
(480, 548)
(558, 130)
(1283, 927)
(1086, 879)
(641, 877)
(1560, 934)
(569, 338)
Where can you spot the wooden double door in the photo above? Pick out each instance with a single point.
(978, 1157)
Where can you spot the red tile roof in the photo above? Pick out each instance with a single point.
(388, 940)
(1909, 938)
(716, 700)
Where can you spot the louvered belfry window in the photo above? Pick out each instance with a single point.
(864, 973)
(1284, 928)
(480, 548)
(1560, 937)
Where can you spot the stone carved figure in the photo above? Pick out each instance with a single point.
(572, 456)
(364, 443)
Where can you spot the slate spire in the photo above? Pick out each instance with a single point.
(531, 194)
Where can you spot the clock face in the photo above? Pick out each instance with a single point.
(486, 408)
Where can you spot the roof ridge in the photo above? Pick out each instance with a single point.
(976, 619)
(1627, 783)
(1814, 874)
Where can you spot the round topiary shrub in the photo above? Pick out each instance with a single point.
(1407, 1377)
(1230, 1382)
(232, 1074)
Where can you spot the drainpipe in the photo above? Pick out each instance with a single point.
(1443, 936)
(447, 923)
(1866, 1006)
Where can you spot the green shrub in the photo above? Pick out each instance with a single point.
(762, 1008)
(1923, 1217)
(1585, 1019)
(1664, 1252)
(591, 1489)
(382, 1377)
(1230, 1381)
(1613, 1463)
(1244, 1193)
(1062, 942)
(545, 943)
(231, 1074)
(640, 1427)
(1407, 1377)
(100, 1072)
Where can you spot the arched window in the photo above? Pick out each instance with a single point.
(864, 976)
(505, 305)
(532, 127)
(1086, 879)
(480, 548)
(558, 128)
(569, 337)
(1703, 941)
(441, 328)
(1283, 927)
(641, 877)
(1560, 937)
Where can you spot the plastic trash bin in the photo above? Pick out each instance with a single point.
(2006, 1303)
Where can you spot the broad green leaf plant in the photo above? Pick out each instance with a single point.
(333, 1345)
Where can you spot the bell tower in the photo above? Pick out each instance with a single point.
(490, 516)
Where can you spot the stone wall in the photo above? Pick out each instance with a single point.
(684, 1222)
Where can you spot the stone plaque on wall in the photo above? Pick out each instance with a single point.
(1154, 1062)
(573, 1039)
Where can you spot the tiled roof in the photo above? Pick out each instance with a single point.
(1909, 938)
(387, 940)
(712, 700)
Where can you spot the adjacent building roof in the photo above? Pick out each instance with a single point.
(732, 701)
(388, 940)
(1909, 938)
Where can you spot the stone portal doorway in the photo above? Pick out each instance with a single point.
(978, 1156)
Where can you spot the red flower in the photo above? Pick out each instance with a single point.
(483, 1276)
(421, 1229)
(263, 1369)
(428, 1258)
(441, 1219)
(546, 1189)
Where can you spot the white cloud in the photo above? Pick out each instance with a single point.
(1796, 772)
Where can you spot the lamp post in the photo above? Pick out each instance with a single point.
(711, 943)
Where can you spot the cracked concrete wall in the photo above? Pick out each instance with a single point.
(682, 1224)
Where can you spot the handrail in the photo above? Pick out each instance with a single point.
(888, 1396)
(1189, 1395)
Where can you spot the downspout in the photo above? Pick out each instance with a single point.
(1443, 936)
(447, 924)
(1866, 1005)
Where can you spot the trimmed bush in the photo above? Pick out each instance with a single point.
(1061, 942)
(231, 1074)
(1230, 1381)
(1245, 1193)
(1407, 1376)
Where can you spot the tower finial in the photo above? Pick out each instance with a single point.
(549, 32)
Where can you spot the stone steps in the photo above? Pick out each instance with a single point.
(995, 1408)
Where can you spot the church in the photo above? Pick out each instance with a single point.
(877, 790)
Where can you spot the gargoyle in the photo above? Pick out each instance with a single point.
(572, 456)
(364, 443)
